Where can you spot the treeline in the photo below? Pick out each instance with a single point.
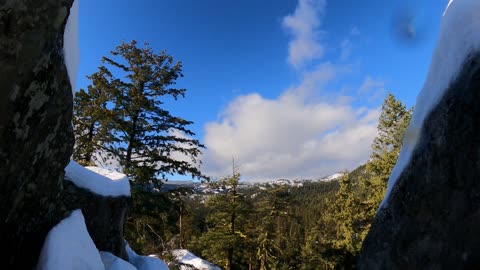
(121, 117)
(316, 226)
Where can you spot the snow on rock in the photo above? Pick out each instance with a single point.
(184, 256)
(98, 180)
(112, 262)
(70, 44)
(144, 262)
(69, 246)
(459, 36)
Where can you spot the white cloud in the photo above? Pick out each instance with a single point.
(303, 24)
(373, 88)
(290, 136)
(307, 132)
(370, 84)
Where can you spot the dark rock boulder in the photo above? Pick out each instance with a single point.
(432, 217)
(104, 217)
(36, 138)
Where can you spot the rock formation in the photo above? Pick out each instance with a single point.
(104, 217)
(36, 137)
(430, 216)
(431, 219)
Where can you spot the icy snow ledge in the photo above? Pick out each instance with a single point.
(458, 38)
(111, 262)
(69, 246)
(184, 256)
(100, 181)
(70, 44)
(144, 262)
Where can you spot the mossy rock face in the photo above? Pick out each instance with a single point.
(433, 213)
(36, 138)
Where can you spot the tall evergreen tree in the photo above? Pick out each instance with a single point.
(126, 99)
(392, 125)
(272, 209)
(334, 241)
(225, 237)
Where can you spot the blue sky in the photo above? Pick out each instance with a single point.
(289, 88)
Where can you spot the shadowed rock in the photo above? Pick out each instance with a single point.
(36, 137)
(432, 217)
(104, 217)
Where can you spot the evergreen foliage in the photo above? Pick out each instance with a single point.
(151, 223)
(122, 113)
(91, 123)
(320, 225)
(225, 237)
(392, 125)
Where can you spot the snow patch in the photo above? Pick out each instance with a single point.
(184, 256)
(459, 36)
(332, 177)
(98, 180)
(70, 45)
(112, 262)
(69, 246)
(144, 262)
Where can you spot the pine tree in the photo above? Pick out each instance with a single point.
(271, 210)
(335, 240)
(126, 100)
(178, 198)
(392, 125)
(225, 237)
(90, 121)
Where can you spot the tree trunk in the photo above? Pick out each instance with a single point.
(263, 262)
(131, 141)
(180, 227)
(229, 259)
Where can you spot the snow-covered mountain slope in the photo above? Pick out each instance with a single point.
(206, 188)
(300, 182)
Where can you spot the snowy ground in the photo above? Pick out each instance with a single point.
(68, 246)
(145, 262)
(187, 258)
(111, 262)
